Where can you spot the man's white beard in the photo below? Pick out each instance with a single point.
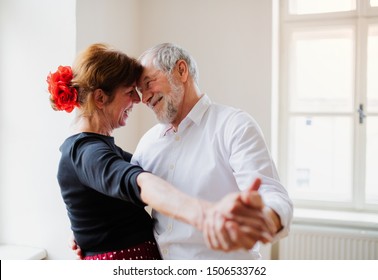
(171, 103)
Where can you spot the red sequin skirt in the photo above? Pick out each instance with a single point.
(147, 250)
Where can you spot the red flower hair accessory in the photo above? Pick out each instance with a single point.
(63, 96)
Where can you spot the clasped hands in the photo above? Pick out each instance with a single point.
(238, 221)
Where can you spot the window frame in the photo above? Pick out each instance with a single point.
(359, 19)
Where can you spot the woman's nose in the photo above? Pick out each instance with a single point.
(136, 98)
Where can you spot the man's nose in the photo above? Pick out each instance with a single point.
(146, 96)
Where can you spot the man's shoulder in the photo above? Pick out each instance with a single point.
(230, 113)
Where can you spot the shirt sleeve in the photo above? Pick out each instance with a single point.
(100, 167)
(249, 159)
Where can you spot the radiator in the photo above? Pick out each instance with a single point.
(306, 242)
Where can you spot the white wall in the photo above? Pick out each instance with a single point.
(36, 36)
(230, 39)
(114, 22)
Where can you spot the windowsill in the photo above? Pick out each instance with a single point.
(336, 218)
(15, 252)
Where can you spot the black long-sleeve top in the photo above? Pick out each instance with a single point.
(98, 185)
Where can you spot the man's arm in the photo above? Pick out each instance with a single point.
(249, 158)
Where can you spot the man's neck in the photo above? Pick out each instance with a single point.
(191, 97)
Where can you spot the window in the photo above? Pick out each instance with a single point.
(372, 115)
(329, 103)
(374, 3)
(320, 6)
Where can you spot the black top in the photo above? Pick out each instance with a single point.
(99, 188)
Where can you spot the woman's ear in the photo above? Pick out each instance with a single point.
(182, 69)
(100, 98)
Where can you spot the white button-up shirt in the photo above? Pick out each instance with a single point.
(215, 151)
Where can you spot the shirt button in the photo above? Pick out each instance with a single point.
(169, 227)
(172, 166)
(165, 251)
(177, 137)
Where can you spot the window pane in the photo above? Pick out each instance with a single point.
(321, 77)
(372, 160)
(320, 6)
(374, 3)
(372, 75)
(320, 158)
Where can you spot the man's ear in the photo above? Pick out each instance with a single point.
(182, 69)
(100, 98)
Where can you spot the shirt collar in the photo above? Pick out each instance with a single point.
(199, 110)
(195, 115)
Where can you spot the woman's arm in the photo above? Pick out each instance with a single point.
(166, 199)
(229, 224)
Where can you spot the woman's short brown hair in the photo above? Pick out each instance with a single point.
(101, 66)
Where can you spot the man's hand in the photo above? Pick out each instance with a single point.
(238, 221)
(74, 247)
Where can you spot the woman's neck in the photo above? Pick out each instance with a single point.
(91, 124)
